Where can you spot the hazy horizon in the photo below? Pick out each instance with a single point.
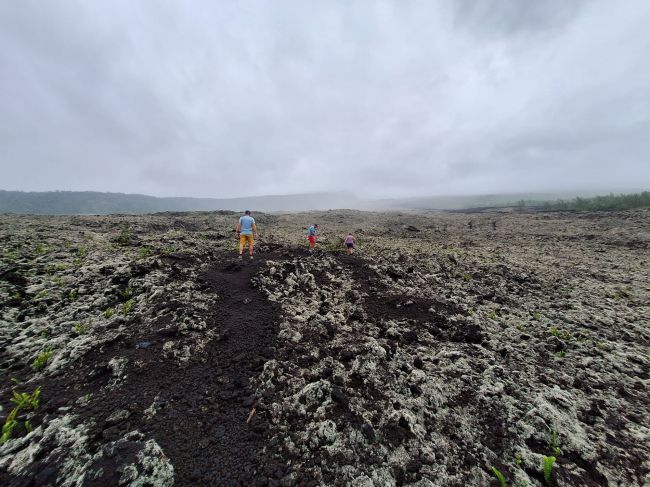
(347, 193)
(380, 99)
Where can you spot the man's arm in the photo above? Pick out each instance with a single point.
(238, 227)
(254, 230)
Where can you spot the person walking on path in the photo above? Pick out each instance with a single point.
(349, 243)
(247, 232)
(311, 235)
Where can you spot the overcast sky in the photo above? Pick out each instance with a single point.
(223, 99)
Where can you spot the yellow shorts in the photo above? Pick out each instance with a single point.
(243, 239)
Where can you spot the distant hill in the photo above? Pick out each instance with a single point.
(465, 201)
(609, 202)
(95, 203)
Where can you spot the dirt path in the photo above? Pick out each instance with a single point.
(196, 412)
(227, 453)
(212, 444)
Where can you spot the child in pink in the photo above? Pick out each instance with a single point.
(349, 243)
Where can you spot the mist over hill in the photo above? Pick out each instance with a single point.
(98, 203)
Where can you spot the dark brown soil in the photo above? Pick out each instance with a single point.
(201, 423)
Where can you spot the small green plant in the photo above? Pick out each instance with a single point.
(144, 252)
(563, 334)
(11, 255)
(22, 400)
(560, 354)
(8, 427)
(518, 460)
(567, 289)
(43, 294)
(622, 293)
(170, 249)
(41, 248)
(467, 277)
(555, 443)
(85, 399)
(108, 312)
(80, 328)
(27, 401)
(127, 306)
(537, 316)
(499, 475)
(82, 252)
(520, 327)
(41, 360)
(73, 295)
(547, 467)
(492, 314)
(127, 293)
(124, 238)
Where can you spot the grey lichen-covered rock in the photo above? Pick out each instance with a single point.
(424, 359)
(65, 442)
(448, 360)
(60, 441)
(118, 416)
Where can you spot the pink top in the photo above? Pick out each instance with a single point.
(349, 239)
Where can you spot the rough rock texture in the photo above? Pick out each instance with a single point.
(436, 352)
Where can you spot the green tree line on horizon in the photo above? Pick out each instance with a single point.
(607, 202)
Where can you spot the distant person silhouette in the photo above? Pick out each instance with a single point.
(247, 232)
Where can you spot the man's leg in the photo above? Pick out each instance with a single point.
(251, 245)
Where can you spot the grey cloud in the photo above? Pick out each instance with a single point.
(382, 98)
(497, 18)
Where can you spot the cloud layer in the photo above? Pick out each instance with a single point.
(222, 99)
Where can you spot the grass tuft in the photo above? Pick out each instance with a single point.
(500, 476)
(547, 467)
(41, 360)
(23, 401)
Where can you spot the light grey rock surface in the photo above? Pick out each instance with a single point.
(425, 359)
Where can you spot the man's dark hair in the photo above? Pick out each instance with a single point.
(247, 212)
